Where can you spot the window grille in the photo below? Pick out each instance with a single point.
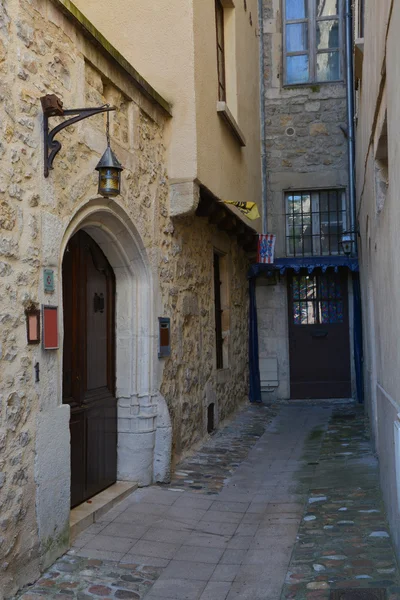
(317, 299)
(312, 41)
(315, 221)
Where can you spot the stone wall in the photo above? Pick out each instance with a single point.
(306, 148)
(41, 52)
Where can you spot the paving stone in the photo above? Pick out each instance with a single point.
(216, 590)
(178, 569)
(199, 554)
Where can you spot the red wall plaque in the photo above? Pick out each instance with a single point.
(50, 327)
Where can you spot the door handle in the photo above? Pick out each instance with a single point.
(319, 334)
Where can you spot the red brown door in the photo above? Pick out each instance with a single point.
(89, 366)
(319, 344)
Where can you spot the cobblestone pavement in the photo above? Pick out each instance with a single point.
(344, 539)
(271, 507)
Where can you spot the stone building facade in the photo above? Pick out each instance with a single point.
(377, 151)
(306, 152)
(162, 267)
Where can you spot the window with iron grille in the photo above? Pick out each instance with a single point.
(218, 313)
(219, 20)
(312, 41)
(315, 221)
(317, 299)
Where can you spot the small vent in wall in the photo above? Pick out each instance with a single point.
(290, 131)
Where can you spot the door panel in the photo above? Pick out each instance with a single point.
(89, 368)
(319, 345)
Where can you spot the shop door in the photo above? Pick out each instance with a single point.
(89, 366)
(319, 346)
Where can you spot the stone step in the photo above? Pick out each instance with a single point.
(87, 513)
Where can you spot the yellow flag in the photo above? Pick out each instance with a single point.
(247, 208)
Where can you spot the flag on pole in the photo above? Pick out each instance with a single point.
(247, 208)
(266, 248)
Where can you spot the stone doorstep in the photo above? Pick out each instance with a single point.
(87, 513)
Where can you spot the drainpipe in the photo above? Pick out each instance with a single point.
(262, 117)
(350, 113)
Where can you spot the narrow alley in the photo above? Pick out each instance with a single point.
(282, 503)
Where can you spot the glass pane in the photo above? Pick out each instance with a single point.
(297, 70)
(296, 37)
(327, 8)
(328, 68)
(294, 205)
(323, 201)
(296, 9)
(306, 203)
(333, 202)
(327, 34)
(296, 313)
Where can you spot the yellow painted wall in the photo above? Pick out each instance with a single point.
(158, 42)
(175, 50)
(229, 171)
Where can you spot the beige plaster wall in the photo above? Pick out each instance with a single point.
(228, 170)
(158, 40)
(175, 50)
(42, 52)
(379, 226)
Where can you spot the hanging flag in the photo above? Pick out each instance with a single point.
(266, 248)
(249, 209)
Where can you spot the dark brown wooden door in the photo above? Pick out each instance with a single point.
(319, 344)
(89, 366)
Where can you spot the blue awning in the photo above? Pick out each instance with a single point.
(305, 262)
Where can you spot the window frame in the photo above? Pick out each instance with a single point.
(315, 220)
(220, 44)
(312, 52)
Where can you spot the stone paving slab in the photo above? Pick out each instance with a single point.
(305, 480)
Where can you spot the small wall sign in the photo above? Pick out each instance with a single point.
(33, 325)
(50, 327)
(164, 348)
(48, 281)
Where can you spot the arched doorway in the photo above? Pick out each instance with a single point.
(89, 366)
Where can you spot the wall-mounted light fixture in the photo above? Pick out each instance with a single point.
(109, 167)
(348, 242)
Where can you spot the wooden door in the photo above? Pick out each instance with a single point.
(89, 366)
(319, 340)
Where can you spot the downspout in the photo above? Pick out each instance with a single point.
(262, 117)
(358, 342)
(350, 115)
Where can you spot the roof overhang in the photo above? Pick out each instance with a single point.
(227, 220)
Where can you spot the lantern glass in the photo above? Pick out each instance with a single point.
(347, 243)
(109, 181)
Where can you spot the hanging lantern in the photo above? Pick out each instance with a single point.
(109, 169)
(347, 242)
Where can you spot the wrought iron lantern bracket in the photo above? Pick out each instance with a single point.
(53, 107)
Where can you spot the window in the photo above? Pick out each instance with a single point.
(317, 299)
(382, 167)
(361, 18)
(219, 19)
(219, 341)
(315, 221)
(312, 41)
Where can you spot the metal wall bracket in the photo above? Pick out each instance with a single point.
(52, 106)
